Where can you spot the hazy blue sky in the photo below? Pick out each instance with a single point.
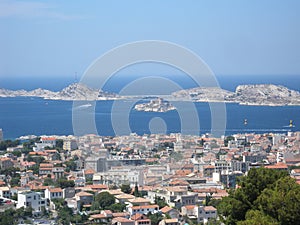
(59, 38)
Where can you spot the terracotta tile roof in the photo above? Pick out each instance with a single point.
(166, 209)
(208, 167)
(125, 196)
(82, 193)
(97, 186)
(89, 171)
(179, 182)
(107, 211)
(296, 170)
(122, 219)
(209, 208)
(120, 214)
(46, 165)
(46, 168)
(139, 200)
(190, 207)
(55, 190)
(48, 138)
(4, 158)
(171, 220)
(115, 192)
(182, 172)
(138, 216)
(98, 216)
(277, 166)
(145, 207)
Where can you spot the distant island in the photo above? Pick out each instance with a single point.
(75, 91)
(258, 94)
(155, 105)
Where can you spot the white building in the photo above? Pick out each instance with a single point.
(143, 209)
(131, 176)
(206, 213)
(53, 193)
(5, 192)
(70, 144)
(45, 142)
(200, 213)
(31, 199)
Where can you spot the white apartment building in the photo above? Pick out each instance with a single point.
(120, 176)
(53, 193)
(31, 199)
(143, 209)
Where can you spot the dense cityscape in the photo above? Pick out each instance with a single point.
(150, 179)
(149, 112)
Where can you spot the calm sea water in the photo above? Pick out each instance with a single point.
(25, 115)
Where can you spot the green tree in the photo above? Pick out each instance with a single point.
(11, 171)
(17, 153)
(7, 217)
(35, 169)
(155, 218)
(117, 207)
(105, 199)
(256, 217)
(48, 182)
(136, 192)
(37, 159)
(234, 207)
(71, 165)
(64, 183)
(8, 143)
(227, 139)
(126, 188)
(160, 202)
(282, 201)
(15, 181)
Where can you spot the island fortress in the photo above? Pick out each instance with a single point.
(258, 94)
(155, 105)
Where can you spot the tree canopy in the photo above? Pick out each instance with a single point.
(265, 196)
(104, 200)
(126, 188)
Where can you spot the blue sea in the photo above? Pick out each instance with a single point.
(25, 115)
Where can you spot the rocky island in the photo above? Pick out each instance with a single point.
(155, 105)
(75, 91)
(258, 94)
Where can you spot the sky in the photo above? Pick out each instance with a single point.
(234, 37)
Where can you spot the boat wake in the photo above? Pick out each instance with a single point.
(81, 107)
